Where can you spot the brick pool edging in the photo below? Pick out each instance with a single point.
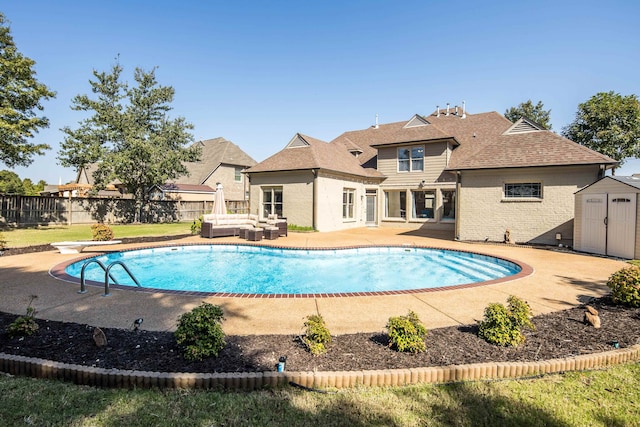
(247, 381)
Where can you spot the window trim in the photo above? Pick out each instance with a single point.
(348, 214)
(410, 159)
(272, 202)
(237, 174)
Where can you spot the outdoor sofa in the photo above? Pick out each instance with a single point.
(216, 225)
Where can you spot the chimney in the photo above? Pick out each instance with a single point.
(456, 113)
(447, 108)
(376, 126)
(464, 114)
(438, 111)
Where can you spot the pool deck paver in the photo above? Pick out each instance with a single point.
(560, 280)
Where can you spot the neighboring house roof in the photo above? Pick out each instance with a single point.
(304, 153)
(215, 152)
(186, 188)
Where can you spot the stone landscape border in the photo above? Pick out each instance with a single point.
(248, 381)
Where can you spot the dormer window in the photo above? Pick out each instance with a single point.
(356, 152)
(411, 159)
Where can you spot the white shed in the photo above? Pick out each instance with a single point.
(606, 217)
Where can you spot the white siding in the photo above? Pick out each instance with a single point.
(330, 204)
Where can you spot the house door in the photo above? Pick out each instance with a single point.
(621, 225)
(594, 226)
(371, 209)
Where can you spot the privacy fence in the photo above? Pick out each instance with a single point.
(26, 211)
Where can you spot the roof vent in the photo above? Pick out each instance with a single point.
(376, 125)
(464, 111)
(447, 108)
(437, 111)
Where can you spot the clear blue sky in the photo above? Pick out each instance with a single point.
(258, 72)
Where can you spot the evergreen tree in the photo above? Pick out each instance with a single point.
(129, 135)
(20, 99)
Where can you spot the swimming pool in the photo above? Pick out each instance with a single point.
(233, 270)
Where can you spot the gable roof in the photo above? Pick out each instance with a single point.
(481, 141)
(304, 153)
(215, 152)
(490, 141)
(417, 129)
(632, 181)
(186, 188)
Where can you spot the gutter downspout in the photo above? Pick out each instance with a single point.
(247, 190)
(314, 210)
(458, 201)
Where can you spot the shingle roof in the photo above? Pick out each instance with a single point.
(392, 133)
(483, 141)
(486, 144)
(187, 188)
(304, 152)
(215, 152)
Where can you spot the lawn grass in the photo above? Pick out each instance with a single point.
(609, 397)
(20, 237)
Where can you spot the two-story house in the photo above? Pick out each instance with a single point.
(221, 161)
(477, 175)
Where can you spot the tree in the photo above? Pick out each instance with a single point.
(608, 123)
(537, 113)
(129, 136)
(20, 99)
(10, 183)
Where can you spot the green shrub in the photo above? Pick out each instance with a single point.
(25, 325)
(101, 232)
(503, 326)
(407, 333)
(200, 333)
(625, 286)
(196, 227)
(317, 336)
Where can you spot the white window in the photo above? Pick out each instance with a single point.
(527, 190)
(395, 204)
(411, 159)
(272, 201)
(348, 197)
(424, 204)
(448, 204)
(238, 174)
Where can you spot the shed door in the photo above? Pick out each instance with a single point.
(621, 225)
(594, 228)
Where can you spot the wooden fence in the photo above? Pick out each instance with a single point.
(26, 211)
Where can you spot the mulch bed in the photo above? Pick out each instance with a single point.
(559, 334)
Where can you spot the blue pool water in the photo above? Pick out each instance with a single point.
(264, 270)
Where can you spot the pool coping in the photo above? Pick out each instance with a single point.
(58, 272)
(249, 381)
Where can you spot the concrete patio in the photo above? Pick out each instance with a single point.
(559, 280)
